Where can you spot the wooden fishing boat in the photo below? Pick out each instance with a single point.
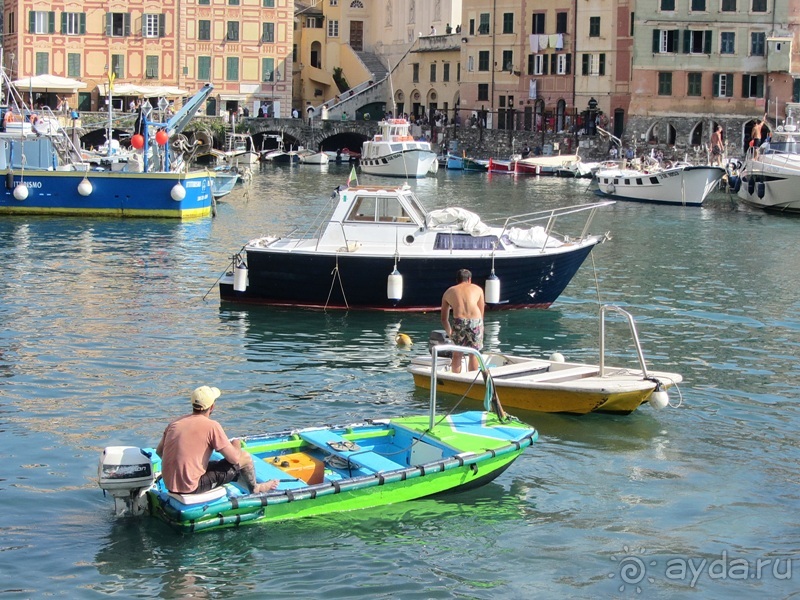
(554, 386)
(331, 469)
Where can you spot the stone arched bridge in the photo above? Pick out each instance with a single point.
(329, 135)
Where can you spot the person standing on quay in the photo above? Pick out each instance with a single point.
(716, 146)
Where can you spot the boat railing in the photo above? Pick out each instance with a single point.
(443, 348)
(62, 142)
(604, 310)
(550, 218)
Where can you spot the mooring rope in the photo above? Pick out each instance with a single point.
(336, 275)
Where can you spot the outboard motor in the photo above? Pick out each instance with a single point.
(437, 338)
(126, 472)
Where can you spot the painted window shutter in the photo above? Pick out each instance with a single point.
(32, 22)
(568, 68)
(729, 91)
(51, 22)
(656, 41)
(63, 22)
(162, 25)
(108, 24)
(687, 40)
(127, 24)
(602, 63)
(707, 42)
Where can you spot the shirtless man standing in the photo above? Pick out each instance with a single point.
(466, 301)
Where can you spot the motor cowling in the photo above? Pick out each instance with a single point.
(126, 472)
(437, 338)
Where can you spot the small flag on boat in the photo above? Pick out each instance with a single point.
(352, 177)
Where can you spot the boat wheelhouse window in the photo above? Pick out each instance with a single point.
(363, 209)
(638, 181)
(384, 209)
(415, 210)
(396, 147)
(654, 180)
(464, 241)
(391, 211)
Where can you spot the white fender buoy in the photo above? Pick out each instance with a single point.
(659, 398)
(178, 192)
(85, 187)
(557, 357)
(394, 286)
(610, 189)
(21, 192)
(240, 273)
(492, 289)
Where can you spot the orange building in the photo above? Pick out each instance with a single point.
(242, 46)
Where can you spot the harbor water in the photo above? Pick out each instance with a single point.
(107, 325)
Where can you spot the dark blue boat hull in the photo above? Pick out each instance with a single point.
(345, 281)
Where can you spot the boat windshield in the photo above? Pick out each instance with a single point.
(789, 145)
(381, 209)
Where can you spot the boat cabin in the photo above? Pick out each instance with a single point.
(375, 204)
(365, 214)
(394, 136)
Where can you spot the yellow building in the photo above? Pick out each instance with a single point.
(358, 41)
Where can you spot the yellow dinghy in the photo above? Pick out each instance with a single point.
(552, 385)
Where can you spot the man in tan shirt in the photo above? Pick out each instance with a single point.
(466, 301)
(186, 446)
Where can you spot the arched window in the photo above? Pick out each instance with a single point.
(356, 4)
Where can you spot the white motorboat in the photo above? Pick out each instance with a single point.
(682, 184)
(240, 151)
(545, 165)
(380, 249)
(395, 153)
(770, 178)
(313, 158)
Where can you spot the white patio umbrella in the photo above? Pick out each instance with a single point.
(48, 83)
